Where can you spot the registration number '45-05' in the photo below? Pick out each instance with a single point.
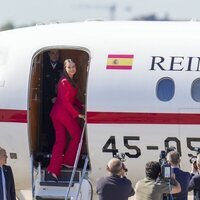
(111, 147)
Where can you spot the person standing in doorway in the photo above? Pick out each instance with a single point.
(52, 70)
(7, 185)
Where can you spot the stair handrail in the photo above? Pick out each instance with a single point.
(75, 163)
(82, 176)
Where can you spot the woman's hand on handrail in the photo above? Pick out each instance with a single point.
(81, 116)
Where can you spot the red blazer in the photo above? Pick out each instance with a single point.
(66, 104)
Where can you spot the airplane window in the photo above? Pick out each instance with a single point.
(165, 89)
(196, 90)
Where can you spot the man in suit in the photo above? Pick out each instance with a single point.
(7, 185)
(52, 70)
(173, 158)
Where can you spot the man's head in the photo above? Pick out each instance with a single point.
(152, 169)
(3, 156)
(115, 166)
(173, 157)
(54, 55)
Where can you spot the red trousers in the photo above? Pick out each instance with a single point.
(64, 151)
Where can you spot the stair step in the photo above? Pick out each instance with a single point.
(49, 198)
(56, 184)
(64, 176)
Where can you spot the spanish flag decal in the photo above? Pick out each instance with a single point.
(120, 61)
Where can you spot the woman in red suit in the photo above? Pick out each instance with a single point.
(64, 115)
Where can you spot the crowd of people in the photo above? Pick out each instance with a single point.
(116, 186)
(153, 186)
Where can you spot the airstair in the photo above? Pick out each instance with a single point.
(72, 184)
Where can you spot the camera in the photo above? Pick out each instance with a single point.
(166, 170)
(121, 157)
(193, 159)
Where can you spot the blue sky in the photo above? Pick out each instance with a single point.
(22, 12)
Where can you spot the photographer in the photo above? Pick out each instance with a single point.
(195, 181)
(173, 158)
(115, 186)
(150, 188)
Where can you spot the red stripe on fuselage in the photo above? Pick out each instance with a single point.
(142, 118)
(19, 116)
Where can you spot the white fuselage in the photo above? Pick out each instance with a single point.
(124, 113)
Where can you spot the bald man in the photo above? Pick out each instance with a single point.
(7, 185)
(115, 186)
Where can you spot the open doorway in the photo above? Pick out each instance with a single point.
(38, 132)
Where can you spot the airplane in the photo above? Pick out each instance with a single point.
(140, 82)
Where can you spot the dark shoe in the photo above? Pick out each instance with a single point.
(51, 177)
(68, 166)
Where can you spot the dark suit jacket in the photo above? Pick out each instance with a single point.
(10, 185)
(50, 79)
(195, 185)
(114, 188)
(183, 178)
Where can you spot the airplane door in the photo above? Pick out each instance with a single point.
(34, 105)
